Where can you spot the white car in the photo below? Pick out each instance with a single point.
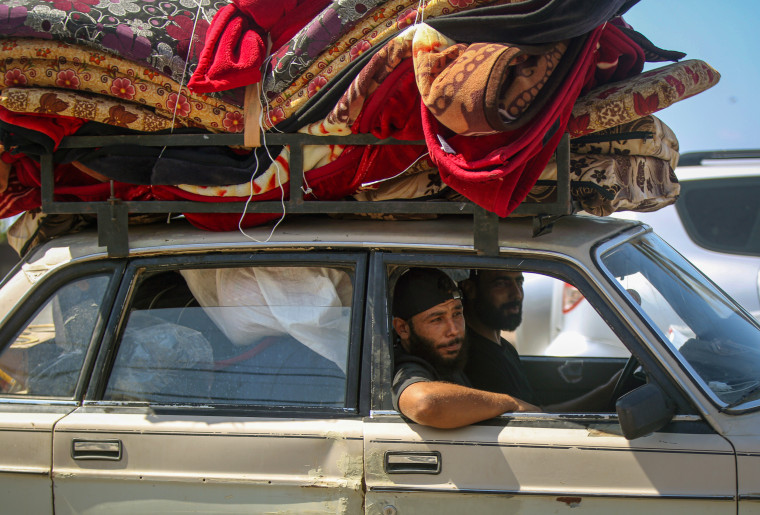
(208, 373)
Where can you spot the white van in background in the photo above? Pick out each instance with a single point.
(715, 224)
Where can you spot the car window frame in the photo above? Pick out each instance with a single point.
(556, 265)
(695, 379)
(31, 304)
(281, 257)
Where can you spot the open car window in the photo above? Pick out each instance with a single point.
(558, 321)
(262, 336)
(717, 340)
(555, 346)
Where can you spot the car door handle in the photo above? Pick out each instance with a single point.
(96, 449)
(412, 462)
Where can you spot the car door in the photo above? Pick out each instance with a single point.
(231, 387)
(748, 463)
(44, 346)
(537, 463)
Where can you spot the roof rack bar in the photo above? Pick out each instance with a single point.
(271, 206)
(485, 232)
(197, 140)
(112, 214)
(564, 203)
(296, 174)
(47, 180)
(113, 227)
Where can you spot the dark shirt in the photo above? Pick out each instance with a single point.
(411, 369)
(497, 368)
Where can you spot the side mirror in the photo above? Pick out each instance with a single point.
(643, 411)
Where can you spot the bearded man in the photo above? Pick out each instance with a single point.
(492, 304)
(430, 386)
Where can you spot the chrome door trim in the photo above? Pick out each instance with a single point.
(569, 495)
(38, 402)
(25, 470)
(586, 417)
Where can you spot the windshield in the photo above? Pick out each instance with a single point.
(719, 341)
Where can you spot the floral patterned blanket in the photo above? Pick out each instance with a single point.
(165, 35)
(30, 62)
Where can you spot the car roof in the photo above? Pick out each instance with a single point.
(296, 232)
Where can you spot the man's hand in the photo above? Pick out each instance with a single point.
(526, 407)
(596, 400)
(448, 405)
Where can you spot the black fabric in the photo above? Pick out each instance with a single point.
(652, 53)
(420, 289)
(531, 22)
(20, 140)
(201, 166)
(497, 368)
(409, 369)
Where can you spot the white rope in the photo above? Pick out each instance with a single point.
(184, 71)
(419, 15)
(365, 184)
(305, 188)
(279, 183)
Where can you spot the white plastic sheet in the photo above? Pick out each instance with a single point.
(311, 304)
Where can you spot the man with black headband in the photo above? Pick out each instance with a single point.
(493, 303)
(429, 384)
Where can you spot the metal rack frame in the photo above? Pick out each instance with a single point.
(112, 214)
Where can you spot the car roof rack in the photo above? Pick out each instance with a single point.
(112, 214)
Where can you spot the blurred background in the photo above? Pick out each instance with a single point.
(726, 36)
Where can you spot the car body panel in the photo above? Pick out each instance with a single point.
(748, 470)
(26, 431)
(538, 463)
(219, 464)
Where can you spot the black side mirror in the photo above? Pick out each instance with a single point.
(643, 411)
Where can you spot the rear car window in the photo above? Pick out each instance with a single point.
(722, 214)
(46, 357)
(267, 335)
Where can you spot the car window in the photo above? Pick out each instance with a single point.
(47, 355)
(717, 340)
(559, 321)
(722, 214)
(554, 346)
(273, 336)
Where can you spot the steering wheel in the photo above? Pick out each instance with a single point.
(624, 381)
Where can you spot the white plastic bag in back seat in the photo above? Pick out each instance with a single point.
(311, 304)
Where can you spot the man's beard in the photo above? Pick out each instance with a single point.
(425, 349)
(495, 317)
